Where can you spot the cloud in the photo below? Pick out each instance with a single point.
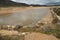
(41, 2)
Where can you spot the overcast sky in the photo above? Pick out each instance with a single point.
(41, 2)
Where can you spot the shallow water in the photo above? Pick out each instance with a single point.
(29, 17)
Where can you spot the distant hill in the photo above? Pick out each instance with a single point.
(11, 3)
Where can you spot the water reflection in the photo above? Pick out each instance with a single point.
(29, 17)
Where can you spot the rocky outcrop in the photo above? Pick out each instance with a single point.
(48, 21)
(50, 24)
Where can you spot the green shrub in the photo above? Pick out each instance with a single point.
(57, 31)
(27, 29)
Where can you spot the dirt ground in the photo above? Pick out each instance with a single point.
(9, 10)
(39, 36)
(30, 36)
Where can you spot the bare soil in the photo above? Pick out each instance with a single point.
(39, 36)
(9, 10)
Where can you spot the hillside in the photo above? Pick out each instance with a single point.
(10, 3)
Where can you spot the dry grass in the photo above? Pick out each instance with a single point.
(7, 32)
(10, 35)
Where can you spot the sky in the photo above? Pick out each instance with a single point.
(40, 2)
